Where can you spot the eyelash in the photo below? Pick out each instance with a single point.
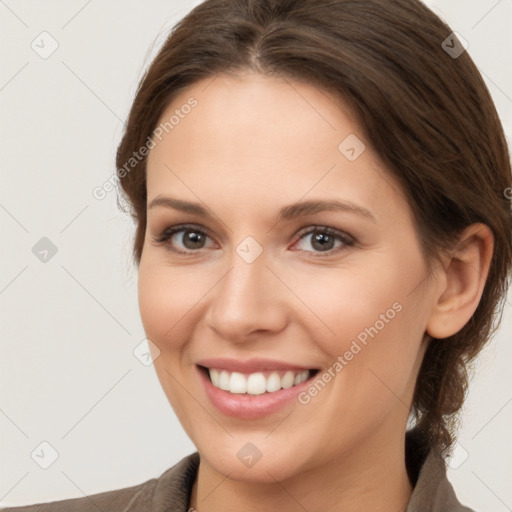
(170, 231)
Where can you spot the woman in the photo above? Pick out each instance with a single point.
(323, 237)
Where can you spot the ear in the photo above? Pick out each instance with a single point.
(465, 274)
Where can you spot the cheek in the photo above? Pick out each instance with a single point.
(166, 300)
(370, 361)
(354, 302)
(368, 324)
(167, 296)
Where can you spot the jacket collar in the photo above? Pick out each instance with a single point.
(426, 469)
(427, 472)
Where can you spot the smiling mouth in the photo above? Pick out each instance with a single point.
(256, 383)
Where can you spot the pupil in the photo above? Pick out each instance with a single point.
(324, 241)
(194, 238)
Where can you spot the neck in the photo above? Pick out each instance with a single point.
(372, 477)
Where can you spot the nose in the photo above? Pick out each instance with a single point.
(248, 301)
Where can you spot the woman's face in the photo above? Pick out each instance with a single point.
(262, 297)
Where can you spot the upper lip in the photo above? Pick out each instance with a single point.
(249, 365)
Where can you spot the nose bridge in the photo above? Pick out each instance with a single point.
(247, 298)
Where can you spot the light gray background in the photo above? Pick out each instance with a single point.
(68, 374)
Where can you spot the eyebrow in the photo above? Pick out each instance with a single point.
(292, 211)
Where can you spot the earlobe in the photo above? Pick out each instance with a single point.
(465, 277)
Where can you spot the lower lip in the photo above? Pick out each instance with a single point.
(250, 406)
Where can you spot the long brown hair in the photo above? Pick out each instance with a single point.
(424, 108)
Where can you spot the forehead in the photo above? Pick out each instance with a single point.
(260, 138)
(251, 111)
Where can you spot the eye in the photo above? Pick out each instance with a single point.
(323, 240)
(191, 239)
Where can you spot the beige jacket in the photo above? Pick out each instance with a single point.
(171, 491)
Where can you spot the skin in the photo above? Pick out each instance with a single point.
(252, 145)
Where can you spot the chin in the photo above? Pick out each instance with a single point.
(258, 460)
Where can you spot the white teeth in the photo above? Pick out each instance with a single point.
(237, 383)
(255, 383)
(273, 382)
(224, 380)
(215, 377)
(287, 380)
